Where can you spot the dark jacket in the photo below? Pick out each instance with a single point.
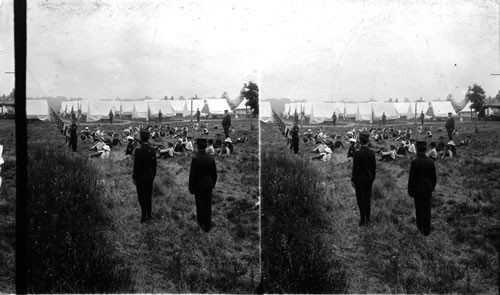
(422, 175)
(295, 133)
(203, 173)
(363, 167)
(450, 124)
(144, 163)
(226, 121)
(73, 130)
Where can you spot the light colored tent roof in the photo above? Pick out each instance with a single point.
(165, 106)
(216, 107)
(364, 112)
(378, 108)
(242, 105)
(440, 109)
(265, 112)
(127, 107)
(322, 111)
(350, 109)
(422, 106)
(140, 110)
(196, 103)
(466, 109)
(37, 109)
(98, 109)
(84, 106)
(307, 107)
(67, 105)
(180, 107)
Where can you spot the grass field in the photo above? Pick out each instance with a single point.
(8, 207)
(389, 255)
(170, 254)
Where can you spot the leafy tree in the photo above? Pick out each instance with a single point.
(497, 97)
(475, 94)
(250, 92)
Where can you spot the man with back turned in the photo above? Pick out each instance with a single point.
(363, 175)
(202, 179)
(421, 184)
(144, 174)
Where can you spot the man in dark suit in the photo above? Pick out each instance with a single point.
(144, 174)
(450, 126)
(73, 133)
(110, 116)
(384, 117)
(295, 138)
(421, 184)
(202, 179)
(226, 123)
(363, 175)
(422, 116)
(334, 119)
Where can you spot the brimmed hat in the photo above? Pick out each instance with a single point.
(352, 140)
(130, 138)
(87, 128)
(228, 140)
(451, 142)
(106, 148)
(308, 130)
(421, 144)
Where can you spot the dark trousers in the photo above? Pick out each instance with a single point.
(363, 198)
(450, 134)
(423, 212)
(72, 143)
(144, 192)
(226, 131)
(203, 200)
(295, 145)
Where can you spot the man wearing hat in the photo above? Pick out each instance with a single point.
(144, 174)
(363, 175)
(202, 179)
(295, 138)
(421, 184)
(450, 126)
(73, 133)
(226, 123)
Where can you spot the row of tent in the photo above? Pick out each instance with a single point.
(319, 112)
(95, 110)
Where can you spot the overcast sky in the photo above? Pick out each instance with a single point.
(313, 50)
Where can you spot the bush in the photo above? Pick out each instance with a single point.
(294, 258)
(68, 251)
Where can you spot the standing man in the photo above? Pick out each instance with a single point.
(295, 138)
(198, 116)
(111, 117)
(450, 126)
(160, 115)
(73, 133)
(334, 119)
(363, 175)
(421, 184)
(226, 123)
(144, 174)
(422, 116)
(384, 117)
(202, 179)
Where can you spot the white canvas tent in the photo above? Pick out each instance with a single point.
(379, 108)
(180, 107)
(140, 110)
(196, 104)
(321, 112)
(37, 109)
(405, 110)
(466, 110)
(216, 107)
(307, 108)
(241, 109)
(286, 110)
(84, 107)
(350, 110)
(265, 112)
(98, 109)
(154, 107)
(364, 112)
(126, 108)
(440, 109)
(419, 107)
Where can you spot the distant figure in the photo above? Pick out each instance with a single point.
(422, 116)
(111, 117)
(334, 119)
(295, 138)
(198, 115)
(226, 123)
(450, 126)
(73, 132)
(144, 174)
(160, 115)
(384, 117)
(363, 175)
(421, 184)
(73, 115)
(202, 180)
(352, 148)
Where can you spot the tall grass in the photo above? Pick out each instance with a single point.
(294, 257)
(68, 251)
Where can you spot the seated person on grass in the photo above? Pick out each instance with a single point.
(179, 148)
(189, 145)
(453, 148)
(210, 147)
(411, 147)
(447, 153)
(432, 152)
(352, 148)
(224, 151)
(465, 142)
(389, 155)
(131, 145)
(103, 152)
(229, 144)
(325, 153)
(441, 145)
(168, 152)
(401, 151)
